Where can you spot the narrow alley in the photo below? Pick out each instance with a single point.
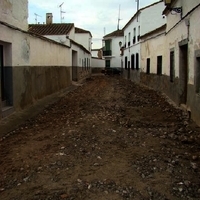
(108, 139)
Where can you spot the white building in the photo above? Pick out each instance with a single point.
(171, 56)
(111, 50)
(144, 21)
(31, 66)
(77, 39)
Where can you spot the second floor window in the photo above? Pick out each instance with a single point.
(134, 35)
(138, 37)
(129, 39)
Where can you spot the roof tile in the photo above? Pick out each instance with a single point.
(51, 29)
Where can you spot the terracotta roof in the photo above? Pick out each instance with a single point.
(31, 33)
(115, 33)
(51, 29)
(80, 30)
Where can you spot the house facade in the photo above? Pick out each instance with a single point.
(180, 69)
(31, 66)
(111, 50)
(77, 39)
(144, 21)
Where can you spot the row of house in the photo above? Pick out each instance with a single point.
(38, 60)
(160, 47)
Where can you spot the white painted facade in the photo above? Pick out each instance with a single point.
(14, 13)
(33, 67)
(185, 29)
(29, 50)
(153, 46)
(115, 57)
(179, 46)
(183, 38)
(151, 17)
(84, 39)
(144, 21)
(98, 63)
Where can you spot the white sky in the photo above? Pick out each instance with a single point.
(96, 16)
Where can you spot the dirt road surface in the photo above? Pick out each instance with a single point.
(108, 139)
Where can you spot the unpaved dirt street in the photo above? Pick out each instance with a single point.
(108, 139)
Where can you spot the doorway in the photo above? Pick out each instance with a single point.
(2, 74)
(183, 73)
(74, 66)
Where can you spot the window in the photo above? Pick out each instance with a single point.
(126, 61)
(148, 66)
(138, 37)
(125, 42)
(132, 61)
(172, 66)
(129, 39)
(82, 64)
(85, 63)
(108, 47)
(159, 65)
(134, 35)
(137, 61)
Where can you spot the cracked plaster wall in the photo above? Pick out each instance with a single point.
(15, 13)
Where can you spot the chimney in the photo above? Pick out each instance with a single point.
(49, 18)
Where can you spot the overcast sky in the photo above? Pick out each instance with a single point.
(96, 16)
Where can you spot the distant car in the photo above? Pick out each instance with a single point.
(111, 71)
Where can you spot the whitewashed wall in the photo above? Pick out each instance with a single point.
(180, 32)
(14, 13)
(151, 47)
(84, 39)
(32, 51)
(116, 58)
(152, 18)
(98, 63)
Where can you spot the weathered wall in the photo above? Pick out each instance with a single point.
(14, 13)
(82, 63)
(151, 47)
(34, 67)
(172, 90)
(185, 32)
(32, 83)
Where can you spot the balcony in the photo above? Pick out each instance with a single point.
(107, 53)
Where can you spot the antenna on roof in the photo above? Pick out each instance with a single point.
(36, 15)
(118, 19)
(61, 12)
(138, 6)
